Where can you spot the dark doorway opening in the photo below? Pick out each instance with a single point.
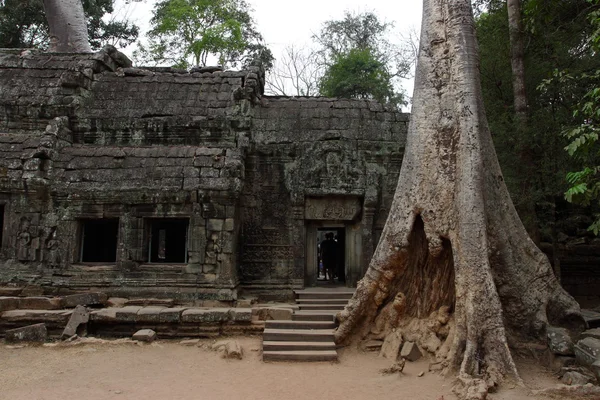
(168, 240)
(99, 239)
(1, 223)
(330, 253)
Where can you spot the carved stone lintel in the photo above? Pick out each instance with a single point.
(333, 209)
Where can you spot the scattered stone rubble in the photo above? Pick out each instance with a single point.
(229, 349)
(577, 359)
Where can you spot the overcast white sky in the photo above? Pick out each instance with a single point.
(286, 22)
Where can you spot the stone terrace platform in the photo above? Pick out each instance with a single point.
(168, 320)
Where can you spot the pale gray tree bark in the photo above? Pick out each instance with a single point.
(526, 202)
(453, 242)
(517, 59)
(68, 28)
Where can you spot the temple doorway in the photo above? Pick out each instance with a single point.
(331, 254)
(347, 251)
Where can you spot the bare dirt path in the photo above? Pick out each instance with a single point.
(167, 370)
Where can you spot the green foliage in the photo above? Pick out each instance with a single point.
(358, 74)
(188, 32)
(583, 138)
(359, 61)
(23, 25)
(557, 56)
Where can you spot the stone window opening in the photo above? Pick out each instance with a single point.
(168, 240)
(99, 239)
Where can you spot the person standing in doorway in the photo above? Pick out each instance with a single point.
(329, 256)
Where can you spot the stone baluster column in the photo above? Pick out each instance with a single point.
(298, 243)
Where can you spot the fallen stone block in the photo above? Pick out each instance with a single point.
(595, 367)
(31, 333)
(587, 351)
(228, 349)
(575, 378)
(432, 344)
(391, 345)
(234, 350)
(410, 351)
(559, 362)
(580, 392)
(591, 317)
(593, 333)
(559, 341)
(39, 303)
(144, 335)
(79, 316)
(396, 368)
(9, 303)
(85, 299)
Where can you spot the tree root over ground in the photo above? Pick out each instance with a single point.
(453, 243)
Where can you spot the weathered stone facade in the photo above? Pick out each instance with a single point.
(139, 160)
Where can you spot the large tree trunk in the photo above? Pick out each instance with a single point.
(526, 203)
(517, 59)
(68, 28)
(453, 242)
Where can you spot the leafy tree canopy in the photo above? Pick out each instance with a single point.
(359, 74)
(188, 32)
(359, 60)
(23, 25)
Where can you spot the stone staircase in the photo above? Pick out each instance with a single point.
(309, 335)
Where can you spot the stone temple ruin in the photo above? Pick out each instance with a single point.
(186, 185)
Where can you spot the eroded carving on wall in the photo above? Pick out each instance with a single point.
(327, 168)
(332, 209)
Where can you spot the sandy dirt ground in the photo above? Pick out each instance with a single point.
(168, 370)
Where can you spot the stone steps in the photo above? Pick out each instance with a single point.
(322, 307)
(304, 355)
(298, 335)
(335, 301)
(314, 315)
(320, 294)
(300, 324)
(309, 335)
(275, 345)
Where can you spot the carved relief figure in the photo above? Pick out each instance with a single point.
(52, 248)
(24, 240)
